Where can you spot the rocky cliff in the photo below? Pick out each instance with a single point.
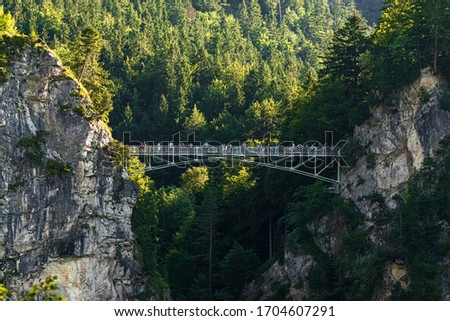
(395, 141)
(64, 207)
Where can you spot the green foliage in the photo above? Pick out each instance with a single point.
(3, 68)
(56, 168)
(416, 228)
(370, 160)
(65, 107)
(4, 292)
(241, 181)
(119, 154)
(313, 200)
(279, 291)
(444, 101)
(10, 42)
(82, 110)
(424, 95)
(46, 290)
(136, 171)
(343, 59)
(264, 118)
(410, 36)
(238, 268)
(396, 20)
(195, 179)
(329, 106)
(166, 58)
(83, 59)
(14, 187)
(7, 28)
(32, 147)
(7, 23)
(236, 72)
(195, 122)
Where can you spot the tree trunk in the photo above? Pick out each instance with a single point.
(279, 7)
(210, 254)
(435, 48)
(84, 67)
(270, 238)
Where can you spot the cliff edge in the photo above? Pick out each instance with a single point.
(65, 208)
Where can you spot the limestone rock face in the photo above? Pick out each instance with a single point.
(397, 138)
(65, 209)
(281, 282)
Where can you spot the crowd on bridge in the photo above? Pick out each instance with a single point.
(230, 149)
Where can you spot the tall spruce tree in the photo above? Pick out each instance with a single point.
(84, 61)
(436, 14)
(344, 53)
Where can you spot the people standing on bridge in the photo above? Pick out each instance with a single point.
(229, 149)
(306, 149)
(158, 147)
(244, 147)
(206, 147)
(170, 146)
(314, 147)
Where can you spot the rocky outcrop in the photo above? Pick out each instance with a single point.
(65, 209)
(397, 139)
(395, 273)
(289, 280)
(282, 282)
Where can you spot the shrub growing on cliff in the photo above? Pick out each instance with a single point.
(55, 168)
(45, 290)
(4, 292)
(32, 147)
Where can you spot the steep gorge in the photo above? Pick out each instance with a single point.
(395, 142)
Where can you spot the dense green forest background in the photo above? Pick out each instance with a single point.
(237, 70)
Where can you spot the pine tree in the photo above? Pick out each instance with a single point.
(7, 27)
(263, 118)
(7, 23)
(343, 57)
(238, 268)
(195, 122)
(128, 115)
(209, 215)
(436, 15)
(84, 61)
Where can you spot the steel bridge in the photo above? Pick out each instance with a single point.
(318, 162)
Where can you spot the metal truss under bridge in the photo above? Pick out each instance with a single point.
(319, 162)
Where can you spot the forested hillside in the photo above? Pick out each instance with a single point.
(237, 70)
(182, 66)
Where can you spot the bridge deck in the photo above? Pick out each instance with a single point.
(236, 151)
(310, 161)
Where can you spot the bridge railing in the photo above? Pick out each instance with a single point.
(226, 151)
